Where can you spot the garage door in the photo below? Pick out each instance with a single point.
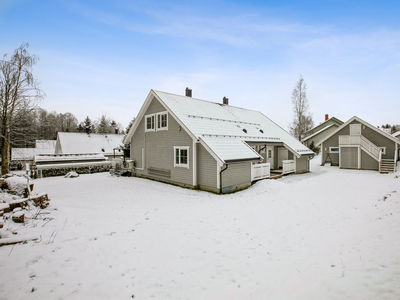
(349, 157)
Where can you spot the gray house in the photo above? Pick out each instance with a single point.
(210, 146)
(358, 145)
(321, 131)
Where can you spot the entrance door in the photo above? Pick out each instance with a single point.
(270, 156)
(283, 154)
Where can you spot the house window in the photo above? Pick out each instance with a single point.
(181, 155)
(333, 149)
(162, 121)
(150, 123)
(383, 150)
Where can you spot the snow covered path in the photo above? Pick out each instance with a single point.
(329, 234)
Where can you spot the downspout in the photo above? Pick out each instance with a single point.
(220, 179)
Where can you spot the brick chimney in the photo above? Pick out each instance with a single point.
(225, 101)
(188, 92)
(326, 117)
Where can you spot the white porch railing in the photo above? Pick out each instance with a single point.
(371, 148)
(359, 140)
(260, 171)
(287, 166)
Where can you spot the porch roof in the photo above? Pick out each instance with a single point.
(229, 150)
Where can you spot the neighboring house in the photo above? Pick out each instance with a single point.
(321, 131)
(358, 145)
(210, 146)
(22, 158)
(94, 143)
(396, 135)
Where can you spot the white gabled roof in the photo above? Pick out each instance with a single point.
(81, 143)
(222, 127)
(318, 132)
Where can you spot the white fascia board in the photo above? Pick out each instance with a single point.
(139, 117)
(318, 132)
(143, 110)
(175, 117)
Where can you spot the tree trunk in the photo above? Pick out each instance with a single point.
(5, 154)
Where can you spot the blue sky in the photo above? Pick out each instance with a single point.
(104, 56)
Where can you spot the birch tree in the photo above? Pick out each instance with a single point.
(302, 119)
(18, 91)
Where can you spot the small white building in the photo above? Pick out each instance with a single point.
(82, 143)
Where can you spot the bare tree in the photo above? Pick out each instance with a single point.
(302, 119)
(18, 91)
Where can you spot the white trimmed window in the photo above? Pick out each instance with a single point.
(181, 157)
(383, 150)
(162, 121)
(334, 150)
(150, 123)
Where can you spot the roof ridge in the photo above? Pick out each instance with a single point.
(221, 104)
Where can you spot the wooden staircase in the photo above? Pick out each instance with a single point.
(387, 165)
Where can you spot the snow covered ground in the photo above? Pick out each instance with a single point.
(328, 234)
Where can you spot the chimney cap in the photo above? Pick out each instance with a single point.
(225, 100)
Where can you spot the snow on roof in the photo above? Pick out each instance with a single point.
(318, 132)
(28, 153)
(77, 143)
(203, 118)
(45, 144)
(229, 149)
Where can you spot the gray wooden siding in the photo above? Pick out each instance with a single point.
(237, 176)
(368, 163)
(379, 140)
(333, 141)
(206, 169)
(319, 137)
(302, 165)
(349, 157)
(159, 147)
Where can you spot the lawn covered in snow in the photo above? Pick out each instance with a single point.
(328, 234)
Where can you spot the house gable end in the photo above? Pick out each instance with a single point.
(144, 111)
(351, 120)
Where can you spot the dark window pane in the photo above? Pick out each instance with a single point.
(184, 156)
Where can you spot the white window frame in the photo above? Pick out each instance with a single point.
(330, 149)
(355, 129)
(179, 164)
(158, 125)
(383, 149)
(154, 123)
